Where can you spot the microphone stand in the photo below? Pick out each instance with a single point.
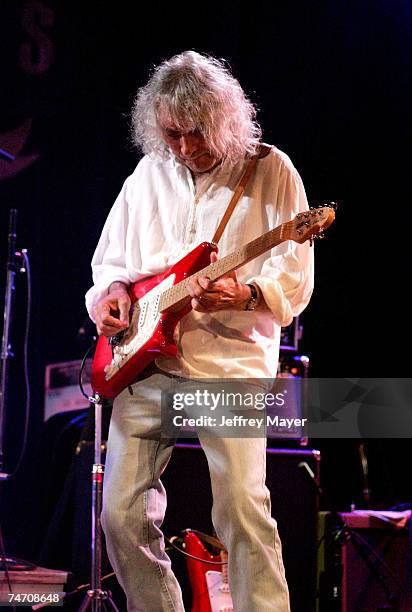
(6, 348)
(8, 563)
(6, 352)
(96, 598)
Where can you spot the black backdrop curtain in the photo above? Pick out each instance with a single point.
(332, 83)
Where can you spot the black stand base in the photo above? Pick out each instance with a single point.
(97, 601)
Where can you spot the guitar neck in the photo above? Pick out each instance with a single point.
(178, 294)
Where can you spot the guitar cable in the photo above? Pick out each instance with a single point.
(174, 538)
(82, 365)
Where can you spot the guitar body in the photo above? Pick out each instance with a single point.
(198, 572)
(219, 592)
(115, 366)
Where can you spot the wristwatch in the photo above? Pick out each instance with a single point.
(253, 300)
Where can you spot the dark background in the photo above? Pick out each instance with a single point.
(332, 81)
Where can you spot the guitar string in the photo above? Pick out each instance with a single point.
(179, 291)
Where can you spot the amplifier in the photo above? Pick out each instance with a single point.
(62, 393)
(294, 506)
(365, 569)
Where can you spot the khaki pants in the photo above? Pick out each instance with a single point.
(134, 504)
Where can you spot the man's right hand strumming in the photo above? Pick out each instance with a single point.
(112, 311)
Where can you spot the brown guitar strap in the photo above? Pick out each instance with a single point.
(263, 151)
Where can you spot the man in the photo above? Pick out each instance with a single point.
(197, 130)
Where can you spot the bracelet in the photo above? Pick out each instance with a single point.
(253, 300)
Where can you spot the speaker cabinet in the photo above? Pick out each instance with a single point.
(294, 506)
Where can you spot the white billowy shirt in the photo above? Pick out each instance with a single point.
(161, 214)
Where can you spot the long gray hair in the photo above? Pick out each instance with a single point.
(196, 92)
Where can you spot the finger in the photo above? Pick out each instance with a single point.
(232, 275)
(124, 307)
(191, 287)
(195, 289)
(110, 321)
(208, 305)
(202, 305)
(197, 305)
(204, 282)
(105, 309)
(107, 330)
(213, 257)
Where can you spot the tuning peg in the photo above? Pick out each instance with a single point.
(319, 236)
(333, 205)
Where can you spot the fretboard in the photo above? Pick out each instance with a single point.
(229, 263)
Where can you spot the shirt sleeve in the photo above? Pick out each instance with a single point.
(287, 276)
(109, 259)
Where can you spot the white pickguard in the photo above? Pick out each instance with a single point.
(145, 318)
(219, 593)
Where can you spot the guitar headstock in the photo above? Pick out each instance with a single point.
(312, 223)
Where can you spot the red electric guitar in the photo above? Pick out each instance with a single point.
(160, 301)
(210, 586)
